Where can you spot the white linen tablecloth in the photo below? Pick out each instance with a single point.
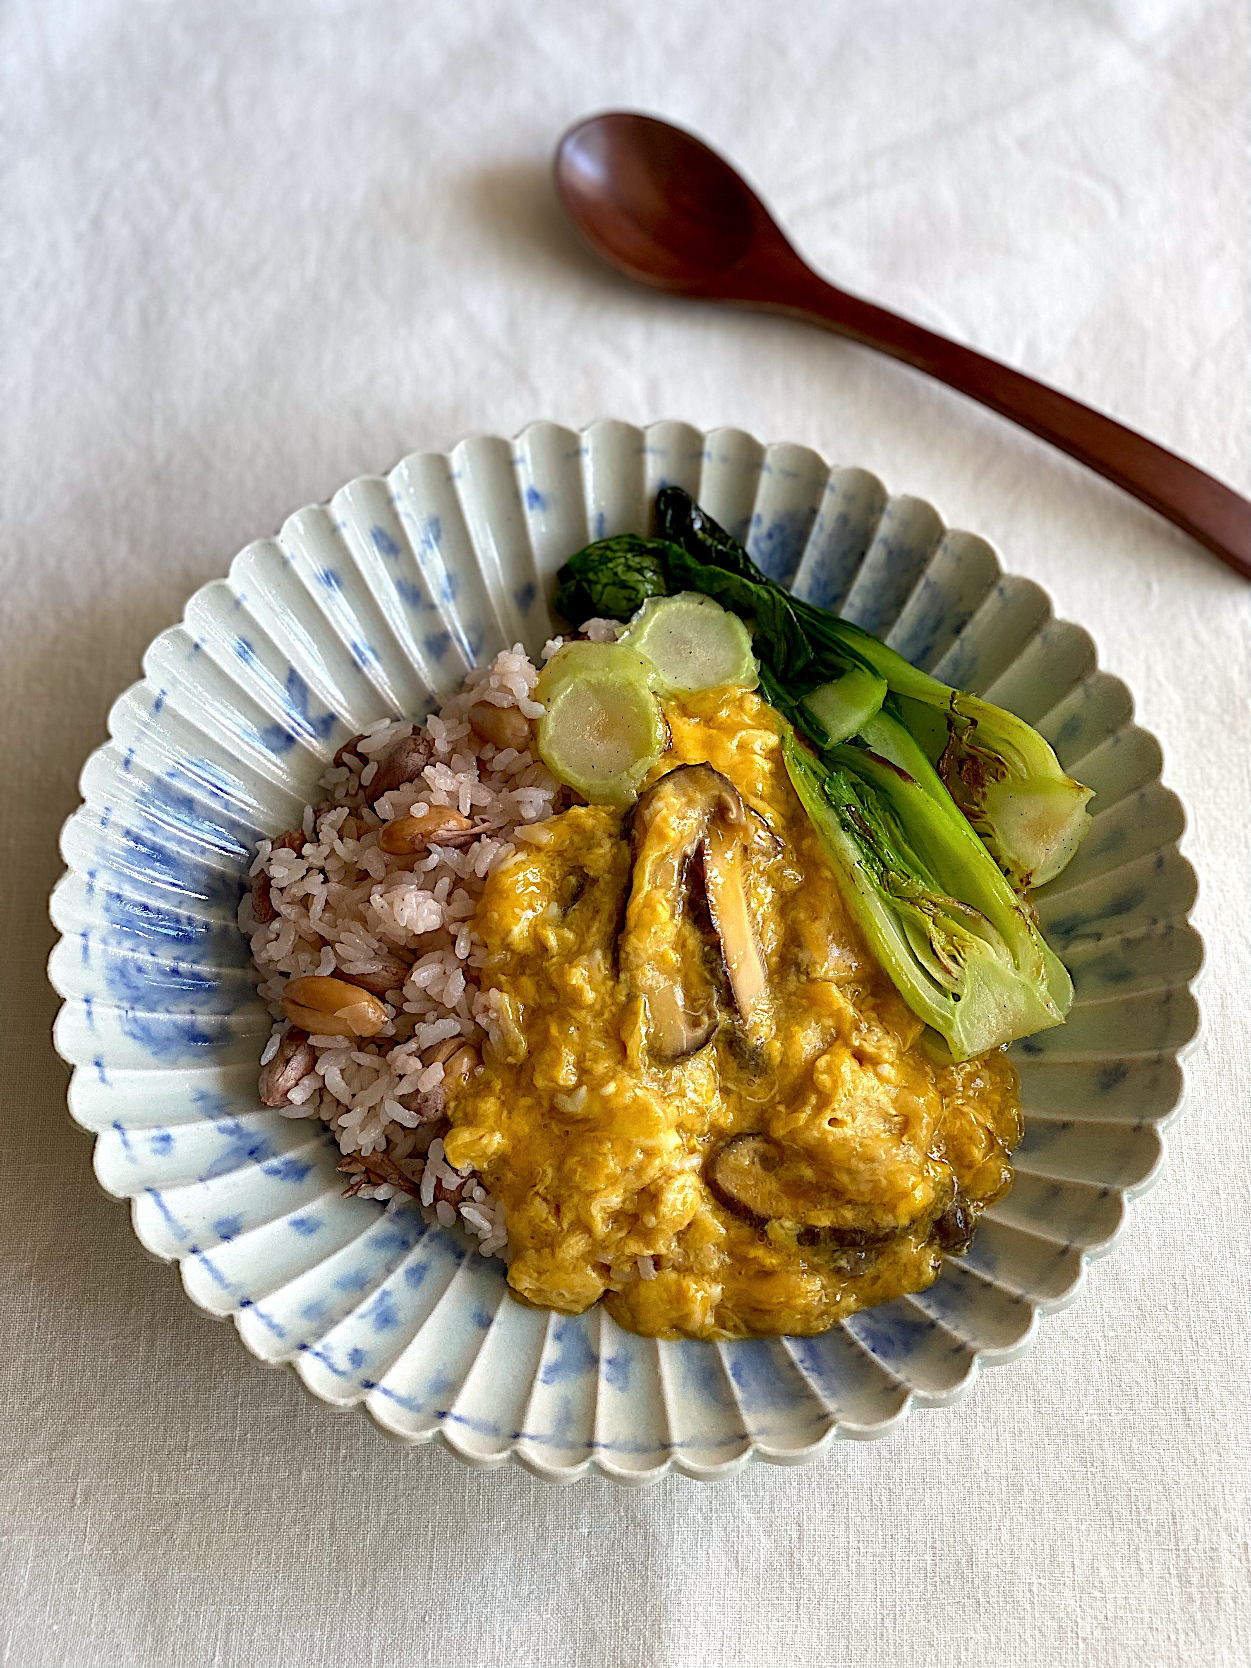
(250, 250)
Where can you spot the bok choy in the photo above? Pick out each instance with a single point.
(999, 770)
(947, 928)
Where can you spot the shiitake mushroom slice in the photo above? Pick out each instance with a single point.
(762, 1181)
(953, 1230)
(727, 906)
(687, 945)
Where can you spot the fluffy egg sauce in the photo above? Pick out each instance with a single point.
(601, 1156)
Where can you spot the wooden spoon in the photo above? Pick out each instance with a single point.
(663, 208)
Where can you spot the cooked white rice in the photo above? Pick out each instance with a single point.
(341, 906)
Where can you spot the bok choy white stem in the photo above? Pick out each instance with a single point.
(943, 921)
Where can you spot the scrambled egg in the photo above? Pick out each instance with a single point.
(618, 1169)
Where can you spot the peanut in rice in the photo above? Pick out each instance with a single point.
(332, 1007)
(501, 726)
(404, 836)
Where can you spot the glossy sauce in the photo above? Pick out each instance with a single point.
(598, 1154)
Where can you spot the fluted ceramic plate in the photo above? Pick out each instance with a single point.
(373, 604)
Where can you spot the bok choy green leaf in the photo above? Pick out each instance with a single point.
(611, 579)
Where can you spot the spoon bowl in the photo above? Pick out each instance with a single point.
(663, 208)
(658, 203)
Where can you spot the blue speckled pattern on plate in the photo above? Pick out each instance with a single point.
(370, 605)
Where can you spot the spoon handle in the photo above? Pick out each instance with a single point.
(1202, 506)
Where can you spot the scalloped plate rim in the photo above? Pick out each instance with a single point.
(755, 1451)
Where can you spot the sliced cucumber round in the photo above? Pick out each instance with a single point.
(693, 643)
(602, 729)
(586, 660)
